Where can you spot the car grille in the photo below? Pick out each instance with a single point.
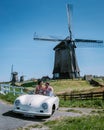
(25, 107)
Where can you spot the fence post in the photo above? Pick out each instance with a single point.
(80, 95)
(21, 90)
(6, 89)
(2, 89)
(9, 89)
(14, 90)
(64, 97)
(91, 95)
(71, 96)
(103, 95)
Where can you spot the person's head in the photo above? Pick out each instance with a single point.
(40, 82)
(47, 84)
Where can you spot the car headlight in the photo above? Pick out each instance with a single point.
(44, 105)
(17, 102)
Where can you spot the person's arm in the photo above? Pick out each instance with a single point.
(51, 88)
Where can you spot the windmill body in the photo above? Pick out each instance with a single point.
(65, 63)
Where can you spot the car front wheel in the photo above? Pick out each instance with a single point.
(53, 109)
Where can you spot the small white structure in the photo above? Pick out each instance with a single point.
(7, 88)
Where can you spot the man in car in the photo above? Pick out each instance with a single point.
(48, 90)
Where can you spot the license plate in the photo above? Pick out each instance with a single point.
(25, 108)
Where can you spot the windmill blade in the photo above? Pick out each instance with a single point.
(36, 37)
(88, 43)
(87, 40)
(69, 20)
(48, 39)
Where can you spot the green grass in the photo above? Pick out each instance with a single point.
(101, 81)
(77, 123)
(29, 84)
(8, 97)
(82, 103)
(68, 86)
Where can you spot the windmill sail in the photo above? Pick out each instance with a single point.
(69, 17)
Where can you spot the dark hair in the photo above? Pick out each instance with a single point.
(47, 83)
(39, 81)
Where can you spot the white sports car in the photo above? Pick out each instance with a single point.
(36, 105)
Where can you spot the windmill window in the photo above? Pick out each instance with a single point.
(56, 75)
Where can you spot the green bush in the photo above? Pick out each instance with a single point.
(29, 84)
(8, 97)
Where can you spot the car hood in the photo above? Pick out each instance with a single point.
(34, 100)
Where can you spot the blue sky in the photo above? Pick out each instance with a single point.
(20, 19)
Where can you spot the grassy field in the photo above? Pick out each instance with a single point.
(66, 86)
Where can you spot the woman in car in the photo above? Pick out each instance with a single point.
(39, 88)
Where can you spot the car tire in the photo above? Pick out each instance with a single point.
(53, 109)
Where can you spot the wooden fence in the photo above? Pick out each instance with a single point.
(82, 96)
(7, 88)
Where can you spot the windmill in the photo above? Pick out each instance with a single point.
(14, 76)
(65, 63)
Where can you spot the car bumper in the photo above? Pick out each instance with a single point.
(31, 113)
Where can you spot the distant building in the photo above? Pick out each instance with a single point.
(22, 78)
(88, 77)
(14, 77)
(45, 78)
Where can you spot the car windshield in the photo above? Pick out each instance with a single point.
(49, 93)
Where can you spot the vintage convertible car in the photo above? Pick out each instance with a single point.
(36, 105)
